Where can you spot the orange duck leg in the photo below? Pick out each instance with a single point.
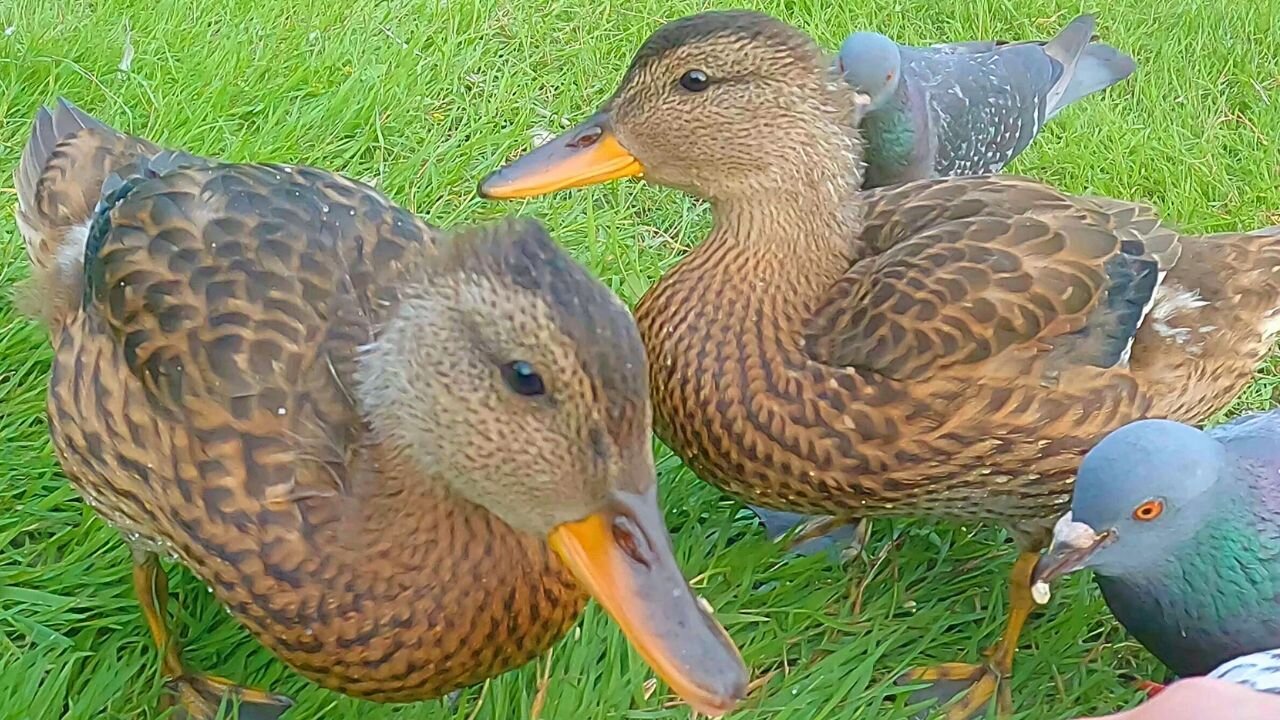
(989, 678)
(197, 696)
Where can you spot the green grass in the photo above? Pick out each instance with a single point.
(425, 97)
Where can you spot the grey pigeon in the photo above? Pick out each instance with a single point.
(1182, 530)
(1259, 671)
(968, 108)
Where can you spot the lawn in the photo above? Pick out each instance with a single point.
(423, 98)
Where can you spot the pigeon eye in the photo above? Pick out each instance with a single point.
(1149, 510)
(523, 379)
(694, 81)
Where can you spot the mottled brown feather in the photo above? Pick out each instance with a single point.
(201, 400)
(944, 348)
(959, 279)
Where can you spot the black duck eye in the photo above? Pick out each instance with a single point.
(523, 379)
(695, 81)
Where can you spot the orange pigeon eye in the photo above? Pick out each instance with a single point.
(1149, 510)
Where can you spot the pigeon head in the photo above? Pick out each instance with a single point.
(1143, 491)
(872, 64)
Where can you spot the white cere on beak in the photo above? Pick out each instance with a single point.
(1069, 534)
(862, 101)
(1073, 534)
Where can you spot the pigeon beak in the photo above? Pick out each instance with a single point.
(1074, 543)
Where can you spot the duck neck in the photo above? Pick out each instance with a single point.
(759, 274)
(724, 331)
(784, 251)
(397, 555)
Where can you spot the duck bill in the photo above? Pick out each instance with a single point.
(623, 557)
(588, 154)
(1073, 546)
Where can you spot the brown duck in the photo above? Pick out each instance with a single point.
(947, 348)
(398, 458)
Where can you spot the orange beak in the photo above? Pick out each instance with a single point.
(588, 154)
(623, 557)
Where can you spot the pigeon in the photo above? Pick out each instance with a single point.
(1259, 671)
(968, 108)
(1181, 528)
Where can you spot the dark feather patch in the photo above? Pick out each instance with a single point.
(115, 189)
(733, 25)
(1133, 282)
(99, 229)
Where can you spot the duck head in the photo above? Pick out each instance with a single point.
(730, 106)
(520, 381)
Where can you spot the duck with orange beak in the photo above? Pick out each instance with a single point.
(946, 348)
(402, 458)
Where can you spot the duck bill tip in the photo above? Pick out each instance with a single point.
(588, 154)
(623, 557)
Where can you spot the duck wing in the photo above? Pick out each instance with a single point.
(238, 297)
(1001, 273)
(68, 158)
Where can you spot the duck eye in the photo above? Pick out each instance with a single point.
(1149, 510)
(694, 81)
(523, 379)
